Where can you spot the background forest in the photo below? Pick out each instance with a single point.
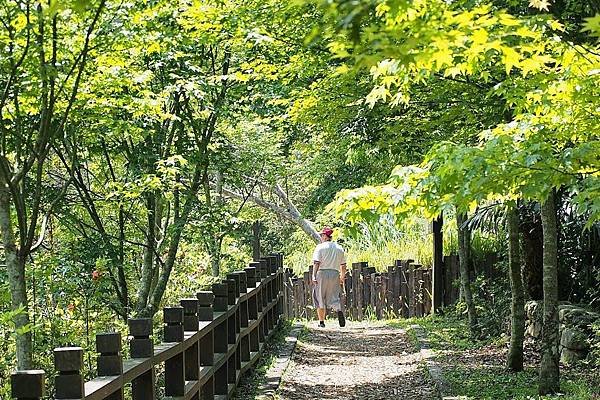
(143, 142)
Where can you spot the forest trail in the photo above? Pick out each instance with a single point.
(365, 360)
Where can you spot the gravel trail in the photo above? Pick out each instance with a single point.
(364, 360)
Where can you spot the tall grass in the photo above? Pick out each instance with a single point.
(380, 244)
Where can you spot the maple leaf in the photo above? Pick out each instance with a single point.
(540, 4)
(592, 25)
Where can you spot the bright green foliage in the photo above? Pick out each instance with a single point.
(549, 86)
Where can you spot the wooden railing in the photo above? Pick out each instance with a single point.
(209, 342)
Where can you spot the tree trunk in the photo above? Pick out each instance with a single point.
(179, 223)
(464, 257)
(256, 240)
(517, 306)
(16, 279)
(549, 379)
(289, 211)
(531, 234)
(215, 242)
(215, 255)
(148, 265)
(163, 278)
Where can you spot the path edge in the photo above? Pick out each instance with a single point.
(275, 372)
(428, 356)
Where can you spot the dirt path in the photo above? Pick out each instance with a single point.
(364, 360)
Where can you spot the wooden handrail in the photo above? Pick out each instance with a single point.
(209, 342)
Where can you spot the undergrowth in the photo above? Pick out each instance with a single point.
(474, 368)
(249, 385)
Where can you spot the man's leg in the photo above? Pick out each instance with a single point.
(321, 314)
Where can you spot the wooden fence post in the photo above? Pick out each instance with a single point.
(437, 278)
(396, 291)
(412, 301)
(190, 318)
(366, 288)
(427, 294)
(206, 342)
(379, 295)
(141, 346)
(110, 360)
(220, 337)
(251, 274)
(419, 312)
(347, 299)
(173, 333)
(356, 292)
(388, 284)
(307, 297)
(231, 329)
(68, 362)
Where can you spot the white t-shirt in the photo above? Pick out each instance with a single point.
(330, 255)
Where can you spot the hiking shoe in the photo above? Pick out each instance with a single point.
(321, 324)
(341, 319)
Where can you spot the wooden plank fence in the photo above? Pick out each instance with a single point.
(209, 342)
(405, 290)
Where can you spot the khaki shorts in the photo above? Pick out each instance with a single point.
(326, 293)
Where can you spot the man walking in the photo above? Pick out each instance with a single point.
(329, 270)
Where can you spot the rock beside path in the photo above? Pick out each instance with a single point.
(576, 334)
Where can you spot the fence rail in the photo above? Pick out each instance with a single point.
(209, 342)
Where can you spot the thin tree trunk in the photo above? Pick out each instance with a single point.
(215, 255)
(179, 223)
(256, 240)
(163, 279)
(464, 257)
(16, 279)
(549, 378)
(148, 265)
(517, 306)
(215, 242)
(290, 212)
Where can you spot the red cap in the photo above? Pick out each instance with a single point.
(327, 231)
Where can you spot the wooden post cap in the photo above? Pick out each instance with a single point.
(108, 342)
(236, 283)
(173, 315)
(140, 327)
(205, 298)
(68, 359)
(29, 384)
(243, 279)
(190, 305)
(219, 289)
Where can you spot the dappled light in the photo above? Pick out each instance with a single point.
(180, 180)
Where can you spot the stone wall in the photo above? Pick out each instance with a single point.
(576, 334)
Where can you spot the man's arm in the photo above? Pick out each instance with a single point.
(342, 273)
(316, 265)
